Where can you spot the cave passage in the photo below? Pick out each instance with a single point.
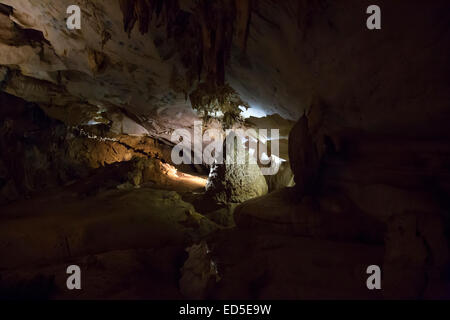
(117, 130)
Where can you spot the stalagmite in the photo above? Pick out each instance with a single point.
(303, 156)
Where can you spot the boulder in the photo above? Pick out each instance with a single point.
(333, 217)
(283, 178)
(199, 272)
(416, 255)
(237, 181)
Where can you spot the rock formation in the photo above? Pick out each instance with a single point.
(303, 157)
(236, 181)
(86, 119)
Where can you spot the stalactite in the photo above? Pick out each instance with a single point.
(129, 17)
(142, 11)
(217, 20)
(171, 8)
(204, 38)
(143, 14)
(243, 17)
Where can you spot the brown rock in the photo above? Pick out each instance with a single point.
(303, 156)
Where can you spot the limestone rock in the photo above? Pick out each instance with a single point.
(281, 212)
(97, 61)
(303, 156)
(223, 216)
(237, 181)
(144, 170)
(415, 256)
(43, 153)
(283, 178)
(262, 265)
(111, 219)
(199, 273)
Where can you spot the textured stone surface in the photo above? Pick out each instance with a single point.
(416, 254)
(257, 264)
(303, 157)
(376, 104)
(109, 220)
(38, 152)
(238, 181)
(283, 178)
(199, 273)
(331, 217)
(288, 63)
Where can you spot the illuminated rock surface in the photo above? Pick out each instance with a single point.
(237, 181)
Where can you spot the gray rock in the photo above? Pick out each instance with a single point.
(236, 182)
(283, 178)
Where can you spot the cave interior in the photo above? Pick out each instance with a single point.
(88, 175)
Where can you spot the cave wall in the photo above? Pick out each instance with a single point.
(389, 81)
(373, 136)
(291, 57)
(280, 56)
(38, 152)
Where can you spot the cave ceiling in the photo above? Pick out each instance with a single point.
(142, 60)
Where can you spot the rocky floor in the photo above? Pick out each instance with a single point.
(131, 244)
(110, 229)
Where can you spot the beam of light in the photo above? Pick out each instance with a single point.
(174, 174)
(93, 123)
(253, 111)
